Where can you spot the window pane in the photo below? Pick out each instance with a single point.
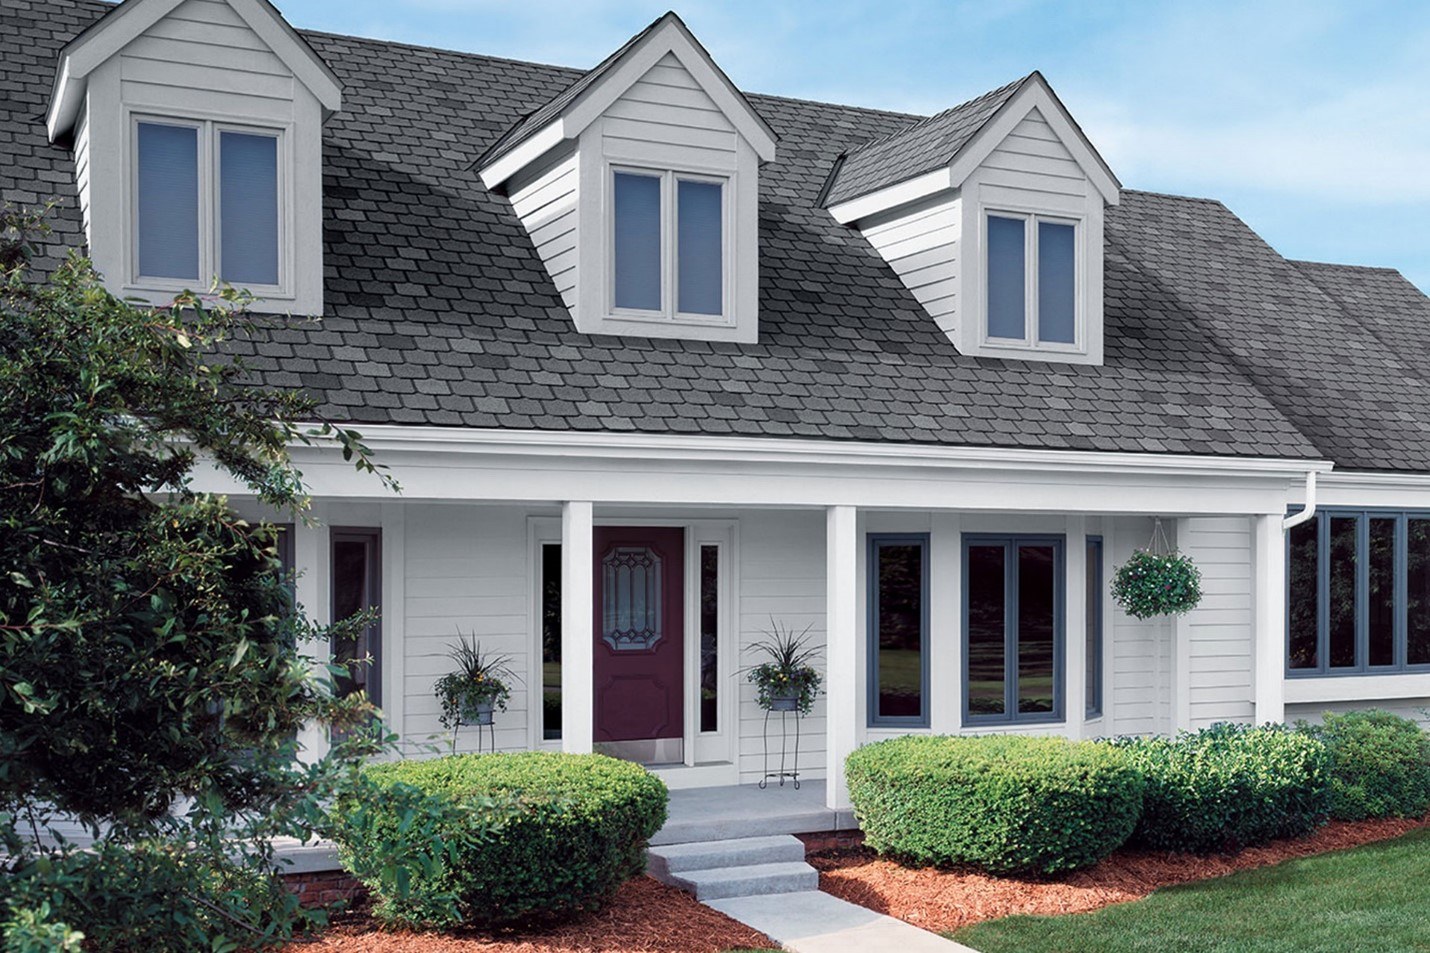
(1341, 620)
(700, 247)
(1301, 594)
(1094, 627)
(986, 614)
(354, 581)
(899, 622)
(1382, 591)
(1037, 628)
(709, 638)
(168, 201)
(1417, 649)
(1056, 283)
(1006, 291)
(637, 241)
(551, 641)
(248, 209)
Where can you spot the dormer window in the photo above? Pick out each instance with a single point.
(667, 246)
(1032, 297)
(206, 202)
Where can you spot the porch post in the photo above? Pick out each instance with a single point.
(842, 648)
(577, 605)
(1075, 627)
(1269, 632)
(312, 591)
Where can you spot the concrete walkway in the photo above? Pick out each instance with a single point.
(812, 921)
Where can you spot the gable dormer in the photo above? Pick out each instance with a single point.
(197, 134)
(639, 186)
(992, 215)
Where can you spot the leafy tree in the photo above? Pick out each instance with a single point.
(152, 675)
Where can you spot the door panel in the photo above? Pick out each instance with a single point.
(639, 633)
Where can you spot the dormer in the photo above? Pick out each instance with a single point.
(197, 134)
(992, 215)
(639, 185)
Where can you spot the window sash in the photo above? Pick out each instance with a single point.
(1032, 291)
(877, 542)
(1012, 629)
(1359, 585)
(370, 597)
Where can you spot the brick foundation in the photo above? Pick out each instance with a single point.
(324, 889)
(831, 840)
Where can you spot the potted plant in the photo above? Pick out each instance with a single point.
(1157, 580)
(476, 688)
(786, 680)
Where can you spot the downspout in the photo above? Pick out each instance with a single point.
(1307, 511)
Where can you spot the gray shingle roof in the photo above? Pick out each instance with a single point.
(439, 311)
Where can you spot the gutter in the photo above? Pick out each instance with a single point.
(1307, 511)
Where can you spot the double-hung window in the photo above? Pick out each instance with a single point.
(1358, 593)
(207, 202)
(1012, 628)
(668, 246)
(1032, 281)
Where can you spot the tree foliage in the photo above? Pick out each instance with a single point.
(152, 670)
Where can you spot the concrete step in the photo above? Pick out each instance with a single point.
(718, 883)
(704, 855)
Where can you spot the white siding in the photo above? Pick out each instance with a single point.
(921, 245)
(1218, 633)
(1140, 701)
(545, 200)
(1033, 159)
(81, 165)
(665, 114)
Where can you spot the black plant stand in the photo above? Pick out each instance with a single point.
(781, 774)
(491, 727)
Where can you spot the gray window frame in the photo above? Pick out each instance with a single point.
(874, 541)
(371, 535)
(1011, 542)
(1095, 636)
(1400, 635)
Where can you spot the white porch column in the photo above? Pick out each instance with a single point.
(311, 592)
(1269, 631)
(841, 648)
(577, 605)
(1075, 625)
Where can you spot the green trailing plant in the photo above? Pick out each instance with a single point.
(787, 679)
(1157, 581)
(1228, 786)
(494, 839)
(1379, 764)
(479, 680)
(1006, 804)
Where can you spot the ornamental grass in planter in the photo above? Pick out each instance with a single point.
(787, 680)
(472, 692)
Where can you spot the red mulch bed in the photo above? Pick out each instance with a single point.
(946, 900)
(644, 917)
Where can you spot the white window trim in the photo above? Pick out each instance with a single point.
(1031, 319)
(209, 128)
(669, 247)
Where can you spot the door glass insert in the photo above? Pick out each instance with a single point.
(631, 598)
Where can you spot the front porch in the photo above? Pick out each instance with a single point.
(721, 813)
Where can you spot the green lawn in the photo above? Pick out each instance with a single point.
(1373, 899)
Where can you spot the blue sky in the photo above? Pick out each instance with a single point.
(1311, 120)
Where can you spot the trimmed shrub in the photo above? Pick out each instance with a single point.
(497, 838)
(1380, 764)
(1228, 787)
(1003, 803)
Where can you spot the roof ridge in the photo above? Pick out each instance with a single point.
(1346, 265)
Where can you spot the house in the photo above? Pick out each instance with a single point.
(660, 363)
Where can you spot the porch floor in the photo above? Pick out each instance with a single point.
(721, 813)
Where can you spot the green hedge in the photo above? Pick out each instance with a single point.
(1005, 804)
(1228, 786)
(497, 838)
(1380, 765)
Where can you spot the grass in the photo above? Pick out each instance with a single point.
(1370, 899)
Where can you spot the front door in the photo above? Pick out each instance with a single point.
(640, 642)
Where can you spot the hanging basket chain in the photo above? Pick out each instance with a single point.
(1157, 580)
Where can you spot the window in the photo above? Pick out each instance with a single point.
(898, 629)
(709, 637)
(357, 587)
(1032, 280)
(1013, 628)
(551, 641)
(668, 245)
(1094, 626)
(1357, 588)
(206, 203)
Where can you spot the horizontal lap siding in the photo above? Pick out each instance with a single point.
(1219, 631)
(1031, 157)
(81, 166)
(666, 114)
(546, 203)
(1141, 661)
(781, 577)
(922, 248)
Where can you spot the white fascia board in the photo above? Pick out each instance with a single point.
(534, 147)
(672, 38)
(891, 197)
(1371, 490)
(1036, 94)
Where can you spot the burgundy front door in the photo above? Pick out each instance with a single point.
(639, 632)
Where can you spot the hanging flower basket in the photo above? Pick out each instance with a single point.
(1153, 582)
